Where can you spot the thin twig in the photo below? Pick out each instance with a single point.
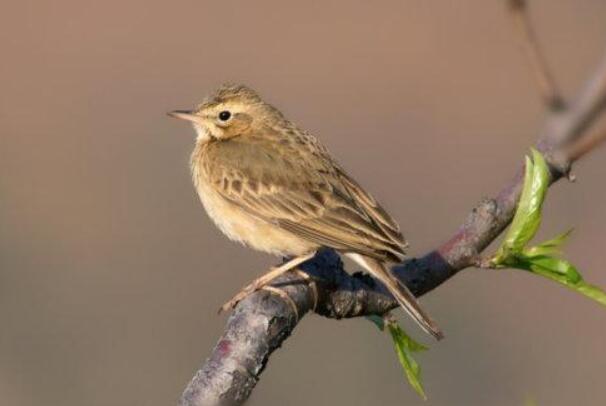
(585, 144)
(567, 126)
(528, 40)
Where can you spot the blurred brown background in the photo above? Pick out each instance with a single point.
(111, 274)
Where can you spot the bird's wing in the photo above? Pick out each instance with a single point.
(372, 208)
(308, 196)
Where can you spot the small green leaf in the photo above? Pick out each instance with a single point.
(561, 271)
(405, 347)
(528, 215)
(557, 266)
(549, 247)
(592, 292)
(527, 218)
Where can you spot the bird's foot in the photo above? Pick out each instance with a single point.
(238, 297)
(260, 282)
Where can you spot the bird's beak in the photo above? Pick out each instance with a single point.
(188, 115)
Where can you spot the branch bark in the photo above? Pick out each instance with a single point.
(261, 322)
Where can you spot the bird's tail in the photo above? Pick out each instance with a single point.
(400, 292)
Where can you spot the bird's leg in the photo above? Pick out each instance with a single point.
(265, 279)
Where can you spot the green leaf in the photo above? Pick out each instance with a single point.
(528, 215)
(558, 267)
(561, 271)
(592, 292)
(549, 247)
(527, 218)
(405, 347)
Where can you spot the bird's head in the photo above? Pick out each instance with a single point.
(233, 110)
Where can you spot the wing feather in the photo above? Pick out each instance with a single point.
(309, 196)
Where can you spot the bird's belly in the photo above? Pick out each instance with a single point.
(239, 225)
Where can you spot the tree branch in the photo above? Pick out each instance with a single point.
(261, 322)
(588, 143)
(528, 40)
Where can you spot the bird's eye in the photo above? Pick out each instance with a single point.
(224, 115)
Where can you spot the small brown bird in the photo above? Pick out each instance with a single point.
(275, 188)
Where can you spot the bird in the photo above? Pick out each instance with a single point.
(274, 187)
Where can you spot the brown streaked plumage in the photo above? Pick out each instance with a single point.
(274, 187)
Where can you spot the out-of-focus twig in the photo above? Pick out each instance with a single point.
(567, 126)
(528, 40)
(585, 144)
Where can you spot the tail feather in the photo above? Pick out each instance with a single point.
(400, 292)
